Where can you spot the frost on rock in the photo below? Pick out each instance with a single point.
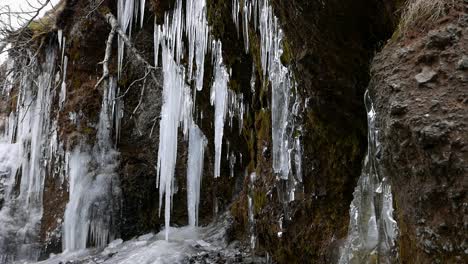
(372, 229)
(93, 186)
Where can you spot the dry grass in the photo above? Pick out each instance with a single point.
(420, 13)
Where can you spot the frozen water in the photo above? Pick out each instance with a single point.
(372, 229)
(197, 145)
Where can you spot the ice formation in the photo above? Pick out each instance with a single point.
(177, 110)
(196, 154)
(128, 13)
(93, 185)
(29, 147)
(219, 98)
(285, 107)
(372, 229)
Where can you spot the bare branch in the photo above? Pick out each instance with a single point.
(105, 62)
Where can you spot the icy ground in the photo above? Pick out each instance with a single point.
(186, 245)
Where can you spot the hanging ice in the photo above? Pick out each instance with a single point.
(196, 154)
(372, 229)
(219, 96)
(94, 188)
(63, 89)
(197, 33)
(30, 128)
(286, 145)
(128, 11)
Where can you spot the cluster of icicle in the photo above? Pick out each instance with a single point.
(177, 112)
(28, 150)
(128, 13)
(177, 109)
(372, 229)
(286, 103)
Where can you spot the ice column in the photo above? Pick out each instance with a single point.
(196, 154)
(372, 229)
(219, 97)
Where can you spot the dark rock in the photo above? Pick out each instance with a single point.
(397, 108)
(441, 38)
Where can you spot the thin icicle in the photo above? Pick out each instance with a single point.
(63, 89)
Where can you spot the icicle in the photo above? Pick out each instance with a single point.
(372, 229)
(127, 14)
(197, 34)
(63, 90)
(235, 14)
(157, 43)
(142, 11)
(251, 216)
(245, 24)
(59, 37)
(197, 145)
(219, 96)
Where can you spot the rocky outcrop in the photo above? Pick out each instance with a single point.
(417, 83)
(419, 86)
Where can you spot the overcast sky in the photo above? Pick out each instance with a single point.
(21, 5)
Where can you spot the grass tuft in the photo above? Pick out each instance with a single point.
(419, 13)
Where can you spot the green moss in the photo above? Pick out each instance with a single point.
(287, 56)
(259, 199)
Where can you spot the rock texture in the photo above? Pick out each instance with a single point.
(419, 87)
(418, 82)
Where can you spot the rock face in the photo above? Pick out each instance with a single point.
(419, 86)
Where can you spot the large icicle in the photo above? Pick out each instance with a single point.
(197, 33)
(372, 229)
(176, 109)
(196, 154)
(219, 96)
(94, 186)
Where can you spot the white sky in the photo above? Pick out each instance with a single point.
(19, 19)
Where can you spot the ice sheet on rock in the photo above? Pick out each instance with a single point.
(93, 185)
(186, 245)
(372, 229)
